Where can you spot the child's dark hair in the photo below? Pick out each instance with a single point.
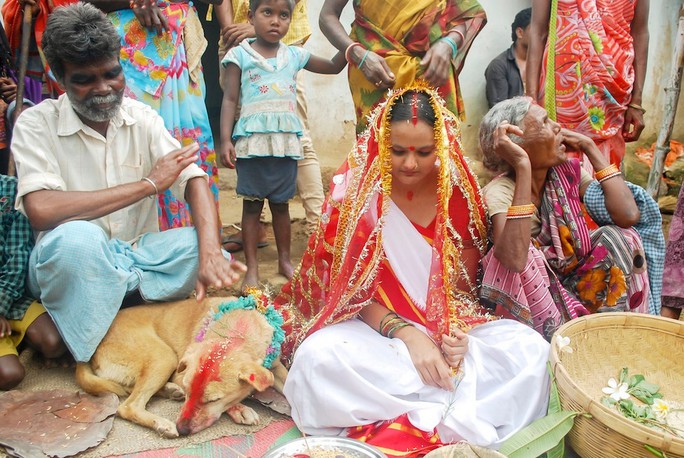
(413, 104)
(254, 4)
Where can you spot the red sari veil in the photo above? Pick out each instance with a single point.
(337, 274)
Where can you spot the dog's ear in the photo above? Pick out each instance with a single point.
(256, 375)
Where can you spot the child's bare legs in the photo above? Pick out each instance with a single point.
(43, 336)
(281, 230)
(11, 372)
(251, 211)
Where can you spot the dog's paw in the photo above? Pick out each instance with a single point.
(172, 391)
(243, 415)
(166, 428)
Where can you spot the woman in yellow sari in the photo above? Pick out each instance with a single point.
(394, 42)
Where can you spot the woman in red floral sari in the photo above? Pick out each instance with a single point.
(586, 64)
(384, 332)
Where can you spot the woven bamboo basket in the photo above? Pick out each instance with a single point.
(602, 345)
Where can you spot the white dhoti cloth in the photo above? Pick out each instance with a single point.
(348, 374)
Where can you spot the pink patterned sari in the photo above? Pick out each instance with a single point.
(570, 271)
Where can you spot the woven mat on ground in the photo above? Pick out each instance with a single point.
(128, 438)
(251, 446)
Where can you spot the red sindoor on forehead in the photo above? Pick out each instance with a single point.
(414, 108)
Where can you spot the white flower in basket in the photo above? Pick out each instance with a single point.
(563, 344)
(615, 390)
(660, 409)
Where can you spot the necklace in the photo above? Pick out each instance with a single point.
(251, 302)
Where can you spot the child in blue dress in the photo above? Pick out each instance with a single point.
(265, 145)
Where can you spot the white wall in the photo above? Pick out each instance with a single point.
(331, 110)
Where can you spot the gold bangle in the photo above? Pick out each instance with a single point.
(612, 175)
(520, 210)
(610, 170)
(528, 215)
(636, 107)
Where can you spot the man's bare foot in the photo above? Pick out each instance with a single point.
(285, 269)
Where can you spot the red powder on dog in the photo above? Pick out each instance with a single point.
(209, 366)
(208, 371)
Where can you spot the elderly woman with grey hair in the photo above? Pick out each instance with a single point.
(546, 266)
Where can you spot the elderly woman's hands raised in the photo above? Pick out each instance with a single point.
(506, 148)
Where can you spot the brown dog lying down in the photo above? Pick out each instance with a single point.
(180, 351)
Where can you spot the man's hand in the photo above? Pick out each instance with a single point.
(149, 15)
(5, 329)
(436, 62)
(634, 124)
(215, 270)
(167, 168)
(233, 34)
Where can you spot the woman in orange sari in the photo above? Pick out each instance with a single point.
(394, 42)
(384, 332)
(586, 64)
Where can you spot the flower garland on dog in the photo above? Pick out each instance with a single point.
(254, 300)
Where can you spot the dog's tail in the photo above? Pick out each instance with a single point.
(94, 384)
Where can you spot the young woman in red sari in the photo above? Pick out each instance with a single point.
(385, 335)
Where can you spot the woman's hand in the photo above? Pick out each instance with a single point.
(427, 358)
(436, 63)
(455, 347)
(580, 142)
(374, 67)
(634, 124)
(506, 148)
(8, 89)
(149, 15)
(577, 141)
(233, 34)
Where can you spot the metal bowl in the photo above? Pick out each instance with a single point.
(347, 448)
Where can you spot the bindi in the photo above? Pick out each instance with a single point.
(411, 148)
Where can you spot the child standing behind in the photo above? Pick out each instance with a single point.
(260, 73)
